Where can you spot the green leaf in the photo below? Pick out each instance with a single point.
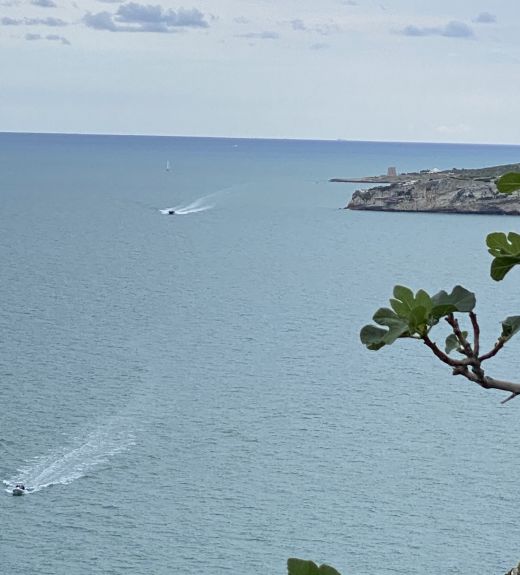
(424, 300)
(418, 321)
(501, 245)
(397, 327)
(328, 570)
(510, 326)
(502, 265)
(505, 250)
(453, 343)
(460, 300)
(375, 337)
(372, 336)
(400, 308)
(508, 183)
(301, 567)
(405, 295)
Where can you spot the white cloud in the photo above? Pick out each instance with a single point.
(485, 18)
(7, 21)
(266, 35)
(453, 29)
(51, 37)
(44, 3)
(134, 17)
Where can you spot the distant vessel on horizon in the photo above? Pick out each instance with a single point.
(168, 167)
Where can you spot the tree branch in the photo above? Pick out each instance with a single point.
(487, 382)
(476, 333)
(441, 355)
(471, 367)
(466, 348)
(498, 346)
(512, 396)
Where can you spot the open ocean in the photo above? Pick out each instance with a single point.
(188, 394)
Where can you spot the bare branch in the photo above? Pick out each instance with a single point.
(441, 355)
(487, 382)
(471, 367)
(512, 396)
(498, 346)
(476, 333)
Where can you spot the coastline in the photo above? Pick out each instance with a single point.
(457, 191)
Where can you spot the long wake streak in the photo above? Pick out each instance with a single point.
(189, 209)
(199, 205)
(64, 465)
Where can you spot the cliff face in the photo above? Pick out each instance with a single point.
(459, 191)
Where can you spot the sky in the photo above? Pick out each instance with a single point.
(386, 70)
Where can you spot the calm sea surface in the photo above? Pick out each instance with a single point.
(188, 394)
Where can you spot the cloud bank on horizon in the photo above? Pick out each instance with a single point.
(386, 70)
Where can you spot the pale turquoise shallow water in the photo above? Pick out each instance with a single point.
(188, 394)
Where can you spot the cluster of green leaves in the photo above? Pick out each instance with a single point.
(301, 567)
(414, 315)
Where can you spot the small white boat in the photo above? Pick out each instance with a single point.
(168, 167)
(19, 489)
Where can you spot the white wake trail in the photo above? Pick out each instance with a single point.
(199, 205)
(64, 465)
(184, 210)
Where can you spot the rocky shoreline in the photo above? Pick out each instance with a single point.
(451, 191)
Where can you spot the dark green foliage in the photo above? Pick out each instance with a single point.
(508, 183)
(413, 316)
(301, 567)
(510, 326)
(505, 250)
(460, 299)
(453, 343)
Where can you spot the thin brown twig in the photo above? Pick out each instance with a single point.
(512, 396)
(498, 346)
(440, 354)
(476, 333)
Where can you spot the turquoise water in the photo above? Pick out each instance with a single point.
(189, 394)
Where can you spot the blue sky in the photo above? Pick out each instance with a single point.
(410, 70)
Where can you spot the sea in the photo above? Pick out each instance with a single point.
(188, 393)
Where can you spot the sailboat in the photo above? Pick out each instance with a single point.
(168, 167)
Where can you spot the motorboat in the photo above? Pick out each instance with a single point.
(171, 212)
(19, 489)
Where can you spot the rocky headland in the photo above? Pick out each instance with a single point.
(456, 191)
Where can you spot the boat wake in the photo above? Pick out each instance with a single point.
(199, 205)
(188, 209)
(67, 464)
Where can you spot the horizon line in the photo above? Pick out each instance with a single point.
(129, 135)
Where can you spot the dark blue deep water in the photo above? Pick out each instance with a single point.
(188, 394)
